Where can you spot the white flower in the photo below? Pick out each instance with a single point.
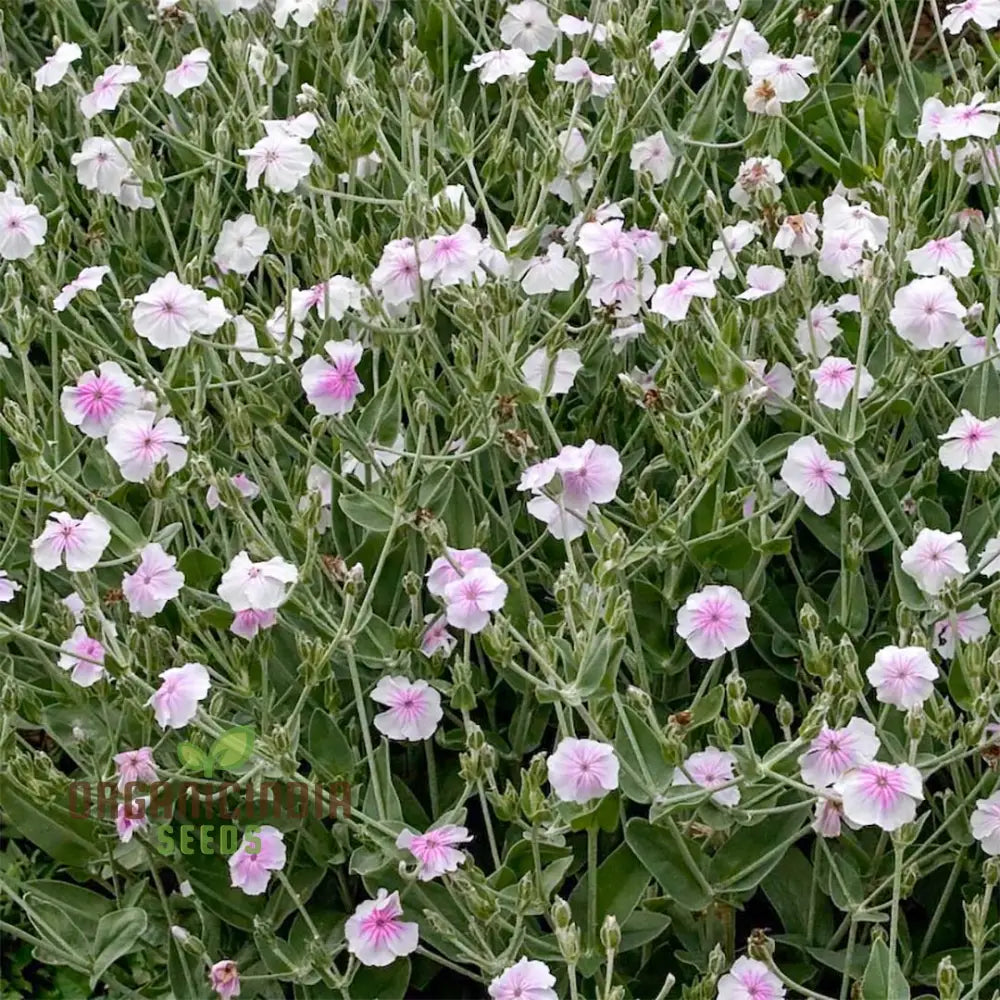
(574, 27)
(526, 26)
(673, 300)
(282, 160)
(552, 273)
(22, 226)
(241, 244)
(302, 12)
(262, 586)
(840, 216)
(762, 280)
(652, 155)
(169, 312)
(551, 376)
(190, 72)
(732, 43)
(577, 70)
(81, 543)
(785, 74)
(989, 559)
(725, 250)
(89, 279)
(666, 45)
(834, 381)
(108, 89)
(498, 64)
(57, 65)
(934, 559)
(971, 443)
(927, 313)
(809, 472)
(815, 334)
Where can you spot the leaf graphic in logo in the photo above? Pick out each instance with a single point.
(233, 747)
(194, 758)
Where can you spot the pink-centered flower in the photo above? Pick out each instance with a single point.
(81, 543)
(927, 313)
(983, 13)
(224, 978)
(138, 442)
(136, 767)
(611, 252)
(712, 769)
(376, 933)
(971, 625)
(970, 443)
(447, 569)
(713, 621)
(190, 72)
(985, 823)
(8, 587)
(749, 979)
(175, 702)
(89, 279)
(437, 637)
(935, 558)
(435, 850)
(883, 795)
(828, 817)
(397, 277)
(673, 300)
(978, 119)
(902, 676)
(948, 253)
(261, 852)
(155, 581)
(99, 399)
(786, 74)
(108, 89)
(581, 770)
(810, 473)
(333, 388)
(590, 474)
(283, 161)
(835, 380)
(450, 258)
(261, 586)
(22, 226)
(469, 600)
(248, 622)
(527, 979)
(130, 819)
(83, 656)
(413, 709)
(835, 751)
(170, 312)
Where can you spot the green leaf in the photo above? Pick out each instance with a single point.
(391, 982)
(369, 510)
(787, 887)
(233, 747)
(851, 172)
(981, 395)
(657, 848)
(328, 749)
(200, 569)
(754, 851)
(127, 536)
(641, 927)
(708, 707)
(883, 979)
(732, 551)
(118, 934)
(774, 447)
(193, 757)
(599, 663)
(640, 752)
(621, 882)
(909, 593)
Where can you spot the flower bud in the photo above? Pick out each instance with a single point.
(560, 914)
(785, 713)
(948, 984)
(916, 723)
(611, 935)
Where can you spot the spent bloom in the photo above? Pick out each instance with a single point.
(749, 979)
(261, 586)
(757, 175)
(89, 279)
(985, 823)
(224, 978)
(435, 850)
(99, 399)
(130, 819)
(935, 558)
(57, 65)
(712, 769)
(333, 388)
(81, 543)
(810, 473)
(83, 656)
(581, 770)
(135, 766)
(835, 379)
(798, 235)
(527, 979)
(470, 599)
(883, 795)
(175, 702)
(413, 709)
(902, 676)
(155, 581)
(22, 226)
(713, 621)
(262, 852)
(376, 933)
(190, 72)
(970, 443)
(138, 442)
(835, 751)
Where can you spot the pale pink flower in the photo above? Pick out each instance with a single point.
(972, 624)
(108, 89)
(262, 852)
(786, 74)
(554, 272)
(883, 795)
(983, 13)
(841, 254)
(450, 258)
(985, 823)
(978, 119)
(562, 520)
(762, 280)
(447, 569)
(169, 312)
(80, 542)
(437, 637)
(732, 43)
(815, 334)
(469, 600)
(970, 443)
(589, 473)
(798, 235)
(190, 72)
(89, 279)
(574, 27)
(22, 226)
(224, 978)
(527, 26)
(261, 586)
(577, 70)
(240, 245)
(611, 252)
(712, 769)
(500, 63)
(136, 767)
(281, 159)
(99, 399)
(949, 253)
(245, 486)
(727, 248)
(989, 559)
(835, 751)
(175, 702)
(333, 297)
(749, 979)
(835, 379)
(581, 770)
(138, 442)
(625, 295)
(376, 934)
(248, 622)
(397, 277)
(8, 587)
(155, 581)
(131, 818)
(104, 164)
(810, 473)
(840, 215)
(527, 979)
(434, 850)
(714, 621)
(653, 156)
(333, 388)
(934, 559)
(673, 300)
(414, 708)
(828, 817)
(83, 656)
(932, 114)
(666, 45)
(902, 676)
(548, 375)
(57, 65)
